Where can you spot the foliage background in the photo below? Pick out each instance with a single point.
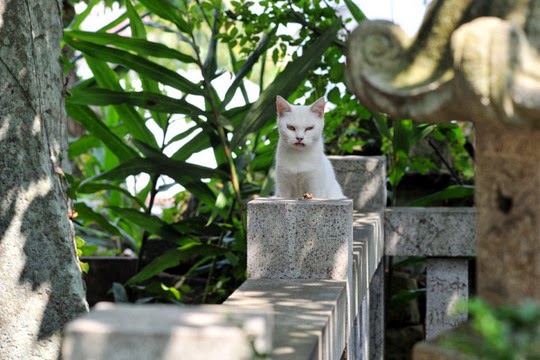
(154, 96)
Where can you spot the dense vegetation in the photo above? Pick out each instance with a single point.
(169, 79)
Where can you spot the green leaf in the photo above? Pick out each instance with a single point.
(97, 128)
(138, 45)
(136, 63)
(167, 11)
(380, 122)
(248, 65)
(77, 20)
(199, 142)
(403, 132)
(284, 84)
(150, 223)
(185, 174)
(135, 22)
(143, 99)
(175, 257)
(93, 187)
(154, 166)
(86, 213)
(451, 192)
(107, 78)
(355, 11)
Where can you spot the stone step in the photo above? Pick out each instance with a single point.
(169, 332)
(310, 316)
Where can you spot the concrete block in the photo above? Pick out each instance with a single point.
(310, 315)
(299, 239)
(367, 238)
(447, 285)
(167, 332)
(363, 179)
(430, 231)
(376, 315)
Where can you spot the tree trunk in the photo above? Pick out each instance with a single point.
(41, 288)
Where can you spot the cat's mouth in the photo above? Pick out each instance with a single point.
(299, 144)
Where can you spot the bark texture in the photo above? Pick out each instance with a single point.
(41, 288)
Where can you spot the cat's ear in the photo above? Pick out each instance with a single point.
(318, 107)
(282, 106)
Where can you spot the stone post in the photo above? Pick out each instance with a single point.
(299, 239)
(476, 61)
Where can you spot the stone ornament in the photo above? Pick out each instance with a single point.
(471, 60)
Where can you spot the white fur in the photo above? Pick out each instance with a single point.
(301, 165)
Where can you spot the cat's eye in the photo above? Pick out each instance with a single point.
(290, 127)
(310, 128)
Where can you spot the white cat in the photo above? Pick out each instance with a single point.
(301, 165)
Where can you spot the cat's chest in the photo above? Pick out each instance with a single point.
(295, 162)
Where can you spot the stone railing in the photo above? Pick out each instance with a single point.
(446, 236)
(315, 287)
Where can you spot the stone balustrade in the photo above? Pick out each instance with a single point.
(315, 284)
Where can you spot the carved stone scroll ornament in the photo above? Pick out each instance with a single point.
(462, 65)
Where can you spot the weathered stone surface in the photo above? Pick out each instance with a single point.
(508, 265)
(41, 288)
(447, 285)
(430, 231)
(299, 239)
(461, 54)
(377, 322)
(310, 315)
(367, 336)
(167, 332)
(363, 179)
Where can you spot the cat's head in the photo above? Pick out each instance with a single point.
(300, 126)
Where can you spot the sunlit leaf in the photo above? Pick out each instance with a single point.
(136, 63)
(284, 84)
(175, 257)
(143, 99)
(451, 192)
(96, 127)
(86, 213)
(140, 46)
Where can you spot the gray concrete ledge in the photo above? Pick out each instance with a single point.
(435, 232)
(167, 332)
(310, 315)
(363, 179)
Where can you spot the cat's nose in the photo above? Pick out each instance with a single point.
(299, 139)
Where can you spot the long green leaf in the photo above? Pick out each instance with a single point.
(144, 99)
(133, 121)
(140, 46)
(248, 65)
(355, 11)
(96, 127)
(136, 63)
(175, 257)
(150, 223)
(77, 20)
(284, 84)
(93, 187)
(86, 213)
(135, 23)
(167, 11)
(451, 192)
(185, 174)
(198, 143)
(139, 31)
(158, 166)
